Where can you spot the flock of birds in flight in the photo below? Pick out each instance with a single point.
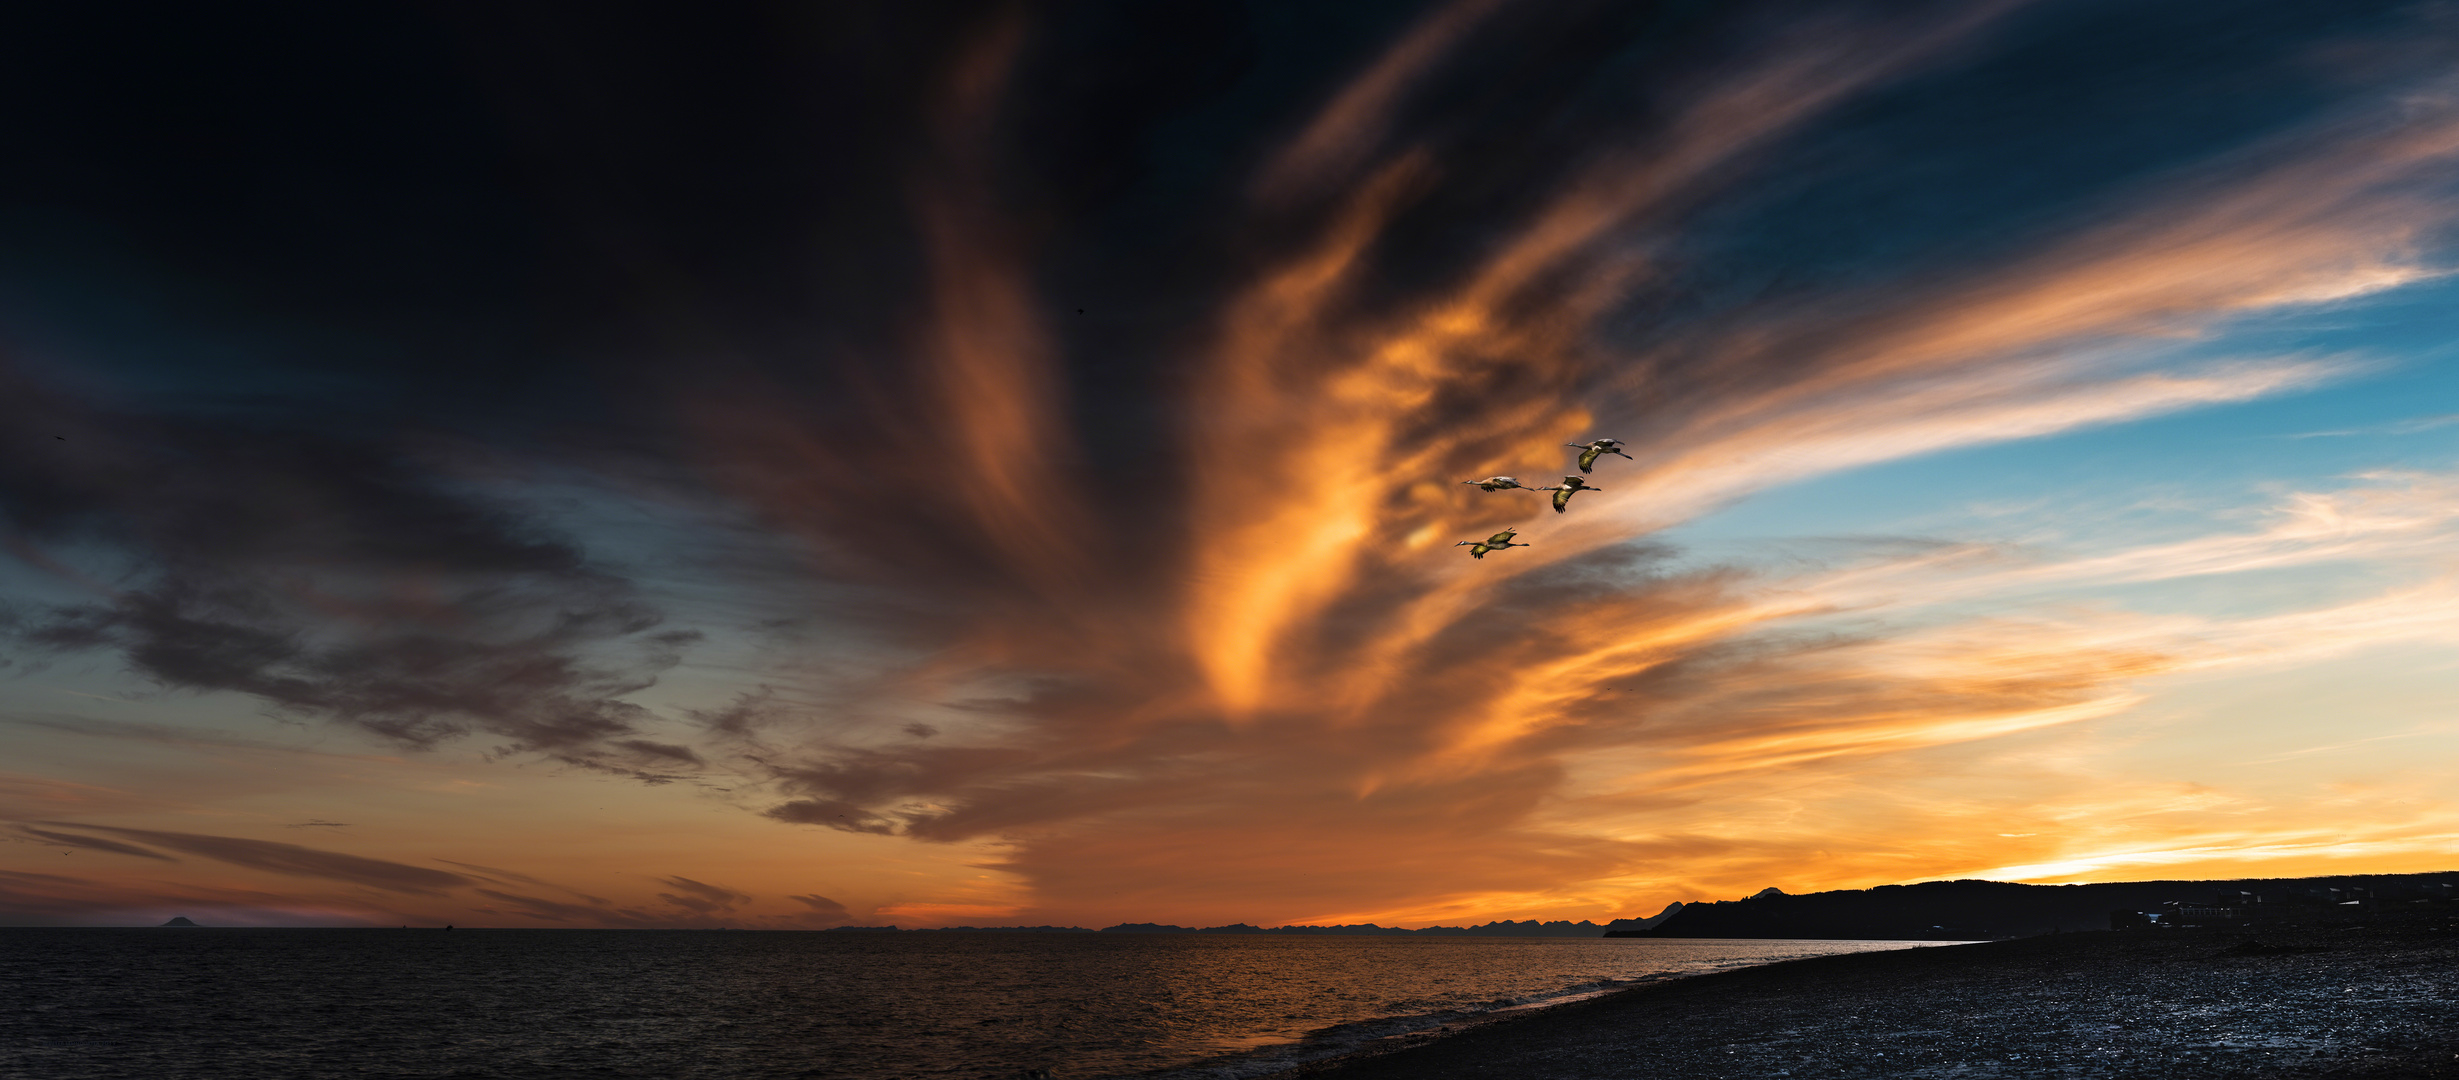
(1571, 485)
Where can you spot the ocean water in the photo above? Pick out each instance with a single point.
(167, 1004)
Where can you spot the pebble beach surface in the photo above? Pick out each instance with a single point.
(2177, 1005)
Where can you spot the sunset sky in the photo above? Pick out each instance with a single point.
(806, 464)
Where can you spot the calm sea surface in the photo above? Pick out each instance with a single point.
(534, 1004)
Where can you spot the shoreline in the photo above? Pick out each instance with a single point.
(1375, 1035)
(2178, 1005)
(1284, 1055)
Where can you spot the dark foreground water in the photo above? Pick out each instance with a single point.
(544, 1004)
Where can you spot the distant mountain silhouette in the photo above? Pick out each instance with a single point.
(1977, 910)
(179, 920)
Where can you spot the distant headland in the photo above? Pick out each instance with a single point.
(1985, 910)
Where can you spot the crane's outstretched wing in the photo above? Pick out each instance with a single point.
(1588, 458)
(1562, 498)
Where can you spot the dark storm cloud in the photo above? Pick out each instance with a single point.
(294, 860)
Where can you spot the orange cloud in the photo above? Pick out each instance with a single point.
(1279, 694)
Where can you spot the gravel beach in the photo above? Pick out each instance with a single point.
(2176, 1005)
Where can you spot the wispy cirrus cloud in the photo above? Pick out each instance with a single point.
(325, 575)
(38, 899)
(92, 843)
(1349, 129)
(2402, 427)
(823, 909)
(701, 896)
(1306, 675)
(293, 859)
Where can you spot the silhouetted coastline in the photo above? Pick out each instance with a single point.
(1986, 910)
(2358, 1001)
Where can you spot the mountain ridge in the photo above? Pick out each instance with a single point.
(1971, 909)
